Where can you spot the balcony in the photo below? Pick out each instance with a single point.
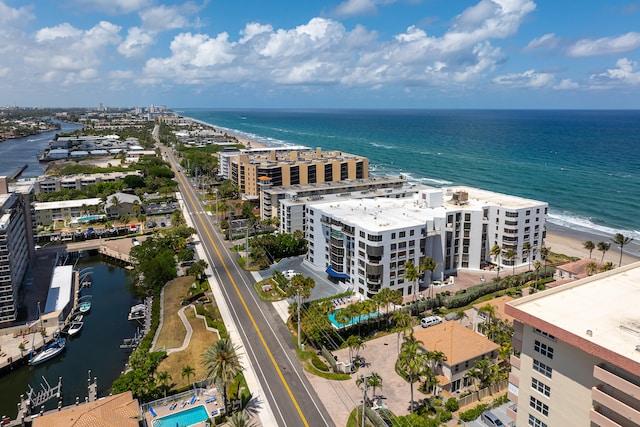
(374, 260)
(372, 281)
(616, 382)
(625, 411)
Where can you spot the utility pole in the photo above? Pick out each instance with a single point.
(217, 219)
(365, 386)
(246, 247)
(299, 300)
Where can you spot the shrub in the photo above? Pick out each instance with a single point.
(329, 356)
(318, 364)
(452, 404)
(473, 413)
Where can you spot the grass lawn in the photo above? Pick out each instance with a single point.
(173, 333)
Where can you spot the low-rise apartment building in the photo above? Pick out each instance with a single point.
(577, 350)
(50, 184)
(367, 242)
(47, 213)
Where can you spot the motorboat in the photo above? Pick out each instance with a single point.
(137, 312)
(72, 328)
(84, 307)
(50, 351)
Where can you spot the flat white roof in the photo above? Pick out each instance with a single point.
(60, 289)
(480, 198)
(39, 206)
(605, 304)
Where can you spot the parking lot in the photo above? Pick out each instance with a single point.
(500, 412)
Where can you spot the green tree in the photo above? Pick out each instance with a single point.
(164, 377)
(590, 246)
(511, 255)
(621, 240)
(526, 251)
(188, 371)
(495, 252)
(240, 419)
(411, 362)
(402, 322)
(483, 373)
(355, 344)
(603, 247)
(198, 268)
(544, 253)
(412, 274)
(592, 268)
(222, 364)
(374, 380)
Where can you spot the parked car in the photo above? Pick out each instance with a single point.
(490, 419)
(425, 322)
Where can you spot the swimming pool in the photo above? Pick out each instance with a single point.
(357, 319)
(183, 419)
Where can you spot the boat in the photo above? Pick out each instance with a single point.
(50, 351)
(72, 328)
(138, 312)
(84, 307)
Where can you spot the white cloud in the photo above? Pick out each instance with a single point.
(114, 6)
(357, 7)
(546, 41)
(626, 72)
(254, 29)
(62, 31)
(605, 45)
(12, 17)
(529, 78)
(162, 18)
(136, 43)
(566, 84)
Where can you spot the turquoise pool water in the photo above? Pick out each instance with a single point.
(90, 218)
(355, 320)
(183, 419)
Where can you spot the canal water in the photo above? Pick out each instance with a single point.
(16, 152)
(96, 348)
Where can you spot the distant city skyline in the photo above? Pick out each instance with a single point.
(505, 54)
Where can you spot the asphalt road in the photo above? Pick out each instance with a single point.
(266, 340)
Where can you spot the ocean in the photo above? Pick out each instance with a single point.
(585, 164)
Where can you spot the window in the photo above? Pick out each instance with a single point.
(412, 232)
(539, 406)
(544, 334)
(540, 367)
(541, 387)
(403, 234)
(393, 235)
(534, 422)
(543, 349)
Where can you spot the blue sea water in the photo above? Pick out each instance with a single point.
(585, 164)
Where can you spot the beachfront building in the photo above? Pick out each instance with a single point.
(577, 356)
(226, 156)
(50, 184)
(367, 242)
(288, 203)
(16, 248)
(47, 213)
(249, 170)
(461, 347)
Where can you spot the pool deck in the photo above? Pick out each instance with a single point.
(163, 409)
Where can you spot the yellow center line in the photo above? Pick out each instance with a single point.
(246, 308)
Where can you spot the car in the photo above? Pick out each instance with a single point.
(490, 419)
(289, 274)
(162, 224)
(425, 322)
(135, 242)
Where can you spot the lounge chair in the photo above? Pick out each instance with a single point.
(152, 412)
(211, 399)
(193, 399)
(173, 406)
(183, 404)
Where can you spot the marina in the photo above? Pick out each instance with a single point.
(96, 349)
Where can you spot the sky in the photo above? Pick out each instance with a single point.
(506, 54)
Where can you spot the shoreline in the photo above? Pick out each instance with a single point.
(559, 238)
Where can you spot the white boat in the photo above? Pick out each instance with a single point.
(50, 351)
(72, 328)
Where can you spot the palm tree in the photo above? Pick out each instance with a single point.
(240, 419)
(355, 343)
(510, 255)
(526, 251)
(411, 361)
(411, 274)
(544, 253)
(164, 378)
(590, 246)
(495, 253)
(222, 364)
(537, 266)
(402, 323)
(603, 247)
(428, 264)
(374, 380)
(461, 315)
(490, 314)
(187, 371)
(621, 240)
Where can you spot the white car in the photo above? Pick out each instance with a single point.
(425, 322)
(289, 274)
